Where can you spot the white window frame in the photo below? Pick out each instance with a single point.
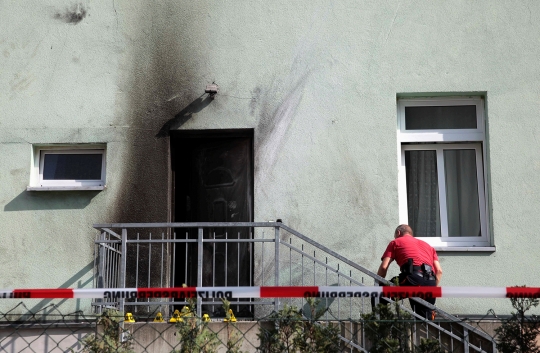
(37, 183)
(439, 140)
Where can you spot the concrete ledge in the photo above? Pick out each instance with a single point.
(466, 249)
(65, 188)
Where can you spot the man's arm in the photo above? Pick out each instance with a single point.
(383, 268)
(438, 271)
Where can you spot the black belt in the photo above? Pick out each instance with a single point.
(406, 268)
(425, 271)
(427, 275)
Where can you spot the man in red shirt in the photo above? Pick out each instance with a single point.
(417, 261)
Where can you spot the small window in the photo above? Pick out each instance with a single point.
(68, 168)
(441, 117)
(442, 171)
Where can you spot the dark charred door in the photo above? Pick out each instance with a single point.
(213, 182)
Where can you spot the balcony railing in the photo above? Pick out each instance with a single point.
(243, 254)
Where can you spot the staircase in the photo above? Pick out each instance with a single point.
(252, 254)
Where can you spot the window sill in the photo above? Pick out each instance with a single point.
(465, 249)
(65, 188)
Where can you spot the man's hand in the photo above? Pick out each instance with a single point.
(383, 268)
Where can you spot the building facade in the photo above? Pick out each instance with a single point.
(348, 118)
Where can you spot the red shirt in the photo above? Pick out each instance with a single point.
(408, 247)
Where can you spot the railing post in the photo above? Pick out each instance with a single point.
(101, 279)
(199, 269)
(99, 266)
(276, 266)
(465, 340)
(123, 265)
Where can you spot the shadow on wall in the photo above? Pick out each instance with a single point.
(75, 281)
(185, 114)
(50, 200)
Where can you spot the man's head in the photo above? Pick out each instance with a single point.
(402, 230)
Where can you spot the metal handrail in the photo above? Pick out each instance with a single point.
(122, 241)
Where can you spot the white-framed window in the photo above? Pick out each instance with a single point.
(68, 167)
(441, 143)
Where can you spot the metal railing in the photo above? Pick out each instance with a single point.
(131, 255)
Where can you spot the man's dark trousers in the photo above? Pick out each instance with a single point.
(420, 279)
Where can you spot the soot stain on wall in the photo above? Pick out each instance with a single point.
(73, 14)
(274, 124)
(151, 82)
(144, 192)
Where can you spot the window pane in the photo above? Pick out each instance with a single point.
(443, 117)
(72, 166)
(462, 193)
(423, 193)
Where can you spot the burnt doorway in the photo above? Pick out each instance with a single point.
(213, 182)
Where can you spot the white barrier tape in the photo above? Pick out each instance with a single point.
(465, 292)
(276, 292)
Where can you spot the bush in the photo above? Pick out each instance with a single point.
(113, 338)
(388, 328)
(518, 333)
(193, 332)
(234, 336)
(293, 332)
(430, 346)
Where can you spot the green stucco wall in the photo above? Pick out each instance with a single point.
(316, 80)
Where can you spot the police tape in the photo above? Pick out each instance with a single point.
(274, 292)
